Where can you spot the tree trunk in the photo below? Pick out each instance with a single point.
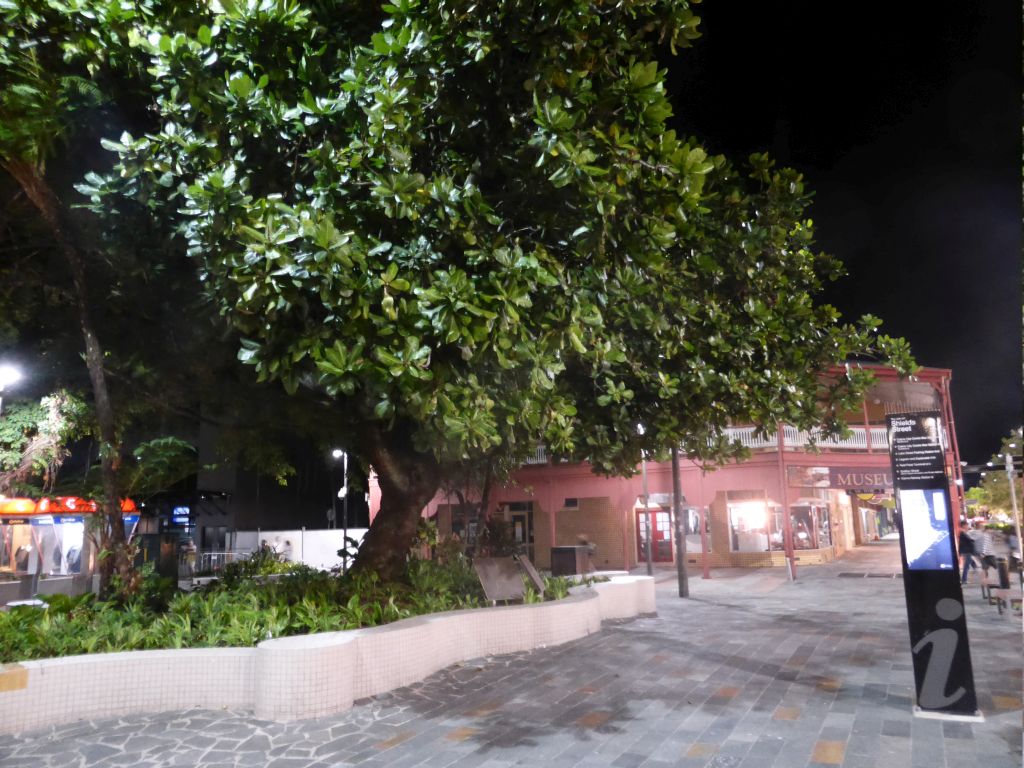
(485, 492)
(408, 481)
(112, 538)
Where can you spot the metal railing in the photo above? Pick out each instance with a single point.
(207, 562)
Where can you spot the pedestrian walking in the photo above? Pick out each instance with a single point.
(965, 544)
(992, 546)
(188, 556)
(583, 541)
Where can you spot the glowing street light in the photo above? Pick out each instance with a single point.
(342, 494)
(8, 375)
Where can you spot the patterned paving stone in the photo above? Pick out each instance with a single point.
(752, 672)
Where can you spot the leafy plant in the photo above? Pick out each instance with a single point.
(557, 587)
(256, 600)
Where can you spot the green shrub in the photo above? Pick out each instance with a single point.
(557, 587)
(253, 601)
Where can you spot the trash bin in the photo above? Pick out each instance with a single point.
(568, 561)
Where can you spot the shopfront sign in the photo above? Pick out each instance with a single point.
(856, 479)
(943, 674)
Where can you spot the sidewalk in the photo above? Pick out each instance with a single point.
(753, 671)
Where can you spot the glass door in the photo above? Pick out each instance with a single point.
(520, 518)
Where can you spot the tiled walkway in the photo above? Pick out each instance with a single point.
(752, 671)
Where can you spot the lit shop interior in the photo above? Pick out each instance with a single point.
(48, 536)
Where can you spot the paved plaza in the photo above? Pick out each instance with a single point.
(753, 671)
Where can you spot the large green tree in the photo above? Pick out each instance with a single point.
(69, 78)
(48, 72)
(470, 226)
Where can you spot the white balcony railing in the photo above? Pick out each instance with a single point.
(749, 439)
(540, 456)
(797, 438)
(792, 437)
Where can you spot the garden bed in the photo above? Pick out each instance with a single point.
(302, 676)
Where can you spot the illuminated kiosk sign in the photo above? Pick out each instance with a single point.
(943, 676)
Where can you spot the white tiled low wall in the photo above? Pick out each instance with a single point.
(49, 691)
(305, 676)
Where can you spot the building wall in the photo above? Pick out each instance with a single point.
(607, 507)
(601, 523)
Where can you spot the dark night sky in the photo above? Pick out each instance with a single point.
(905, 120)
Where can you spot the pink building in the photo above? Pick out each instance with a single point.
(733, 515)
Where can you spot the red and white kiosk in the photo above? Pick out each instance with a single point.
(48, 536)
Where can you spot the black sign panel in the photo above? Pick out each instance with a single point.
(915, 445)
(943, 675)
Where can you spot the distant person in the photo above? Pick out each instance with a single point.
(188, 556)
(286, 551)
(583, 541)
(21, 557)
(1014, 544)
(965, 545)
(992, 545)
(74, 560)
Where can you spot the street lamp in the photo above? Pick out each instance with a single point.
(8, 375)
(342, 494)
(647, 510)
(1011, 477)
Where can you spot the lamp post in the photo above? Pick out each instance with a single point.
(342, 494)
(647, 509)
(8, 375)
(677, 510)
(1011, 478)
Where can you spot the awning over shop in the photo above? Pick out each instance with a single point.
(659, 501)
(808, 501)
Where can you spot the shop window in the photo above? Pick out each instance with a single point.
(754, 526)
(811, 526)
(803, 528)
(466, 523)
(778, 532)
(749, 526)
(691, 519)
(824, 527)
(6, 548)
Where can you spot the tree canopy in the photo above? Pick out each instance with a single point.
(994, 489)
(158, 357)
(472, 227)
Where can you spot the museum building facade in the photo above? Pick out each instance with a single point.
(788, 498)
